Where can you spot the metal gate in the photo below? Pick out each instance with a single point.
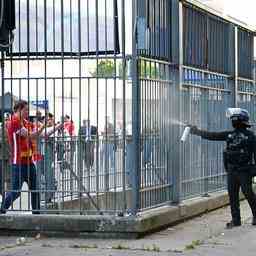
(69, 63)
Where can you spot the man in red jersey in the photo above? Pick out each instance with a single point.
(20, 136)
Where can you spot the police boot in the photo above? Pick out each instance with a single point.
(254, 221)
(2, 211)
(233, 224)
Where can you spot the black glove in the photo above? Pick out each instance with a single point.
(193, 129)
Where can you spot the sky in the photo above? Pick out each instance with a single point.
(243, 10)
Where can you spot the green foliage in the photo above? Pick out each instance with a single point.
(120, 247)
(154, 248)
(149, 70)
(193, 244)
(106, 68)
(121, 69)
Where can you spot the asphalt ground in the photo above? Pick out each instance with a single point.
(204, 235)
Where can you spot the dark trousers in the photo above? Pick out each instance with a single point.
(235, 181)
(21, 174)
(4, 174)
(88, 151)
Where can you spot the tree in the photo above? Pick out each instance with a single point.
(106, 68)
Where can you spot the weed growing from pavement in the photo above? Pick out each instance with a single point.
(193, 245)
(120, 247)
(154, 248)
(84, 246)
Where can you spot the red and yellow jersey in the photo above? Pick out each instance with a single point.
(21, 146)
(37, 156)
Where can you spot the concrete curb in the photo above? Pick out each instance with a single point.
(170, 215)
(111, 226)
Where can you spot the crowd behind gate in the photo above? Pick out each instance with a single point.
(34, 148)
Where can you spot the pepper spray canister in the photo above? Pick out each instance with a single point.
(185, 134)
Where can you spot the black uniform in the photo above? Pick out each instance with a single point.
(239, 161)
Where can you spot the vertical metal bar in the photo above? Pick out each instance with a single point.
(72, 138)
(236, 68)
(20, 82)
(154, 28)
(10, 166)
(149, 100)
(28, 81)
(124, 61)
(62, 91)
(135, 115)
(177, 174)
(109, 138)
(114, 139)
(54, 137)
(37, 26)
(45, 91)
(106, 153)
(53, 27)
(3, 124)
(97, 82)
(88, 26)
(80, 167)
(71, 34)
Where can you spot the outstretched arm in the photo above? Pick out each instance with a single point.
(217, 136)
(52, 130)
(24, 132)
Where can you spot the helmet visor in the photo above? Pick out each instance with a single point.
(230, 112)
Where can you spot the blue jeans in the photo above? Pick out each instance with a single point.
(4, 170)
(20, 174)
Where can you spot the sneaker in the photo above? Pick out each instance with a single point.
(233, 224)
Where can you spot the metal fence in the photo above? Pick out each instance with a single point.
(205, 99)
(104, 79)
(156, 85)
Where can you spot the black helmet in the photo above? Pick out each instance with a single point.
(239, 115)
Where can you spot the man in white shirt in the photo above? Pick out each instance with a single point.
(48, 138)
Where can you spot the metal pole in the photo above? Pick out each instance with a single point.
(178, 163)
(135, 115)
(3, 125)
(236, 68)
(124, 61)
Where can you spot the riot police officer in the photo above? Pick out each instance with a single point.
(239, 160)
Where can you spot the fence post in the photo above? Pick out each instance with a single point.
(177, 16)
(135, 115)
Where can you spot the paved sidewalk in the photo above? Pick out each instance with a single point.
(204, 235)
